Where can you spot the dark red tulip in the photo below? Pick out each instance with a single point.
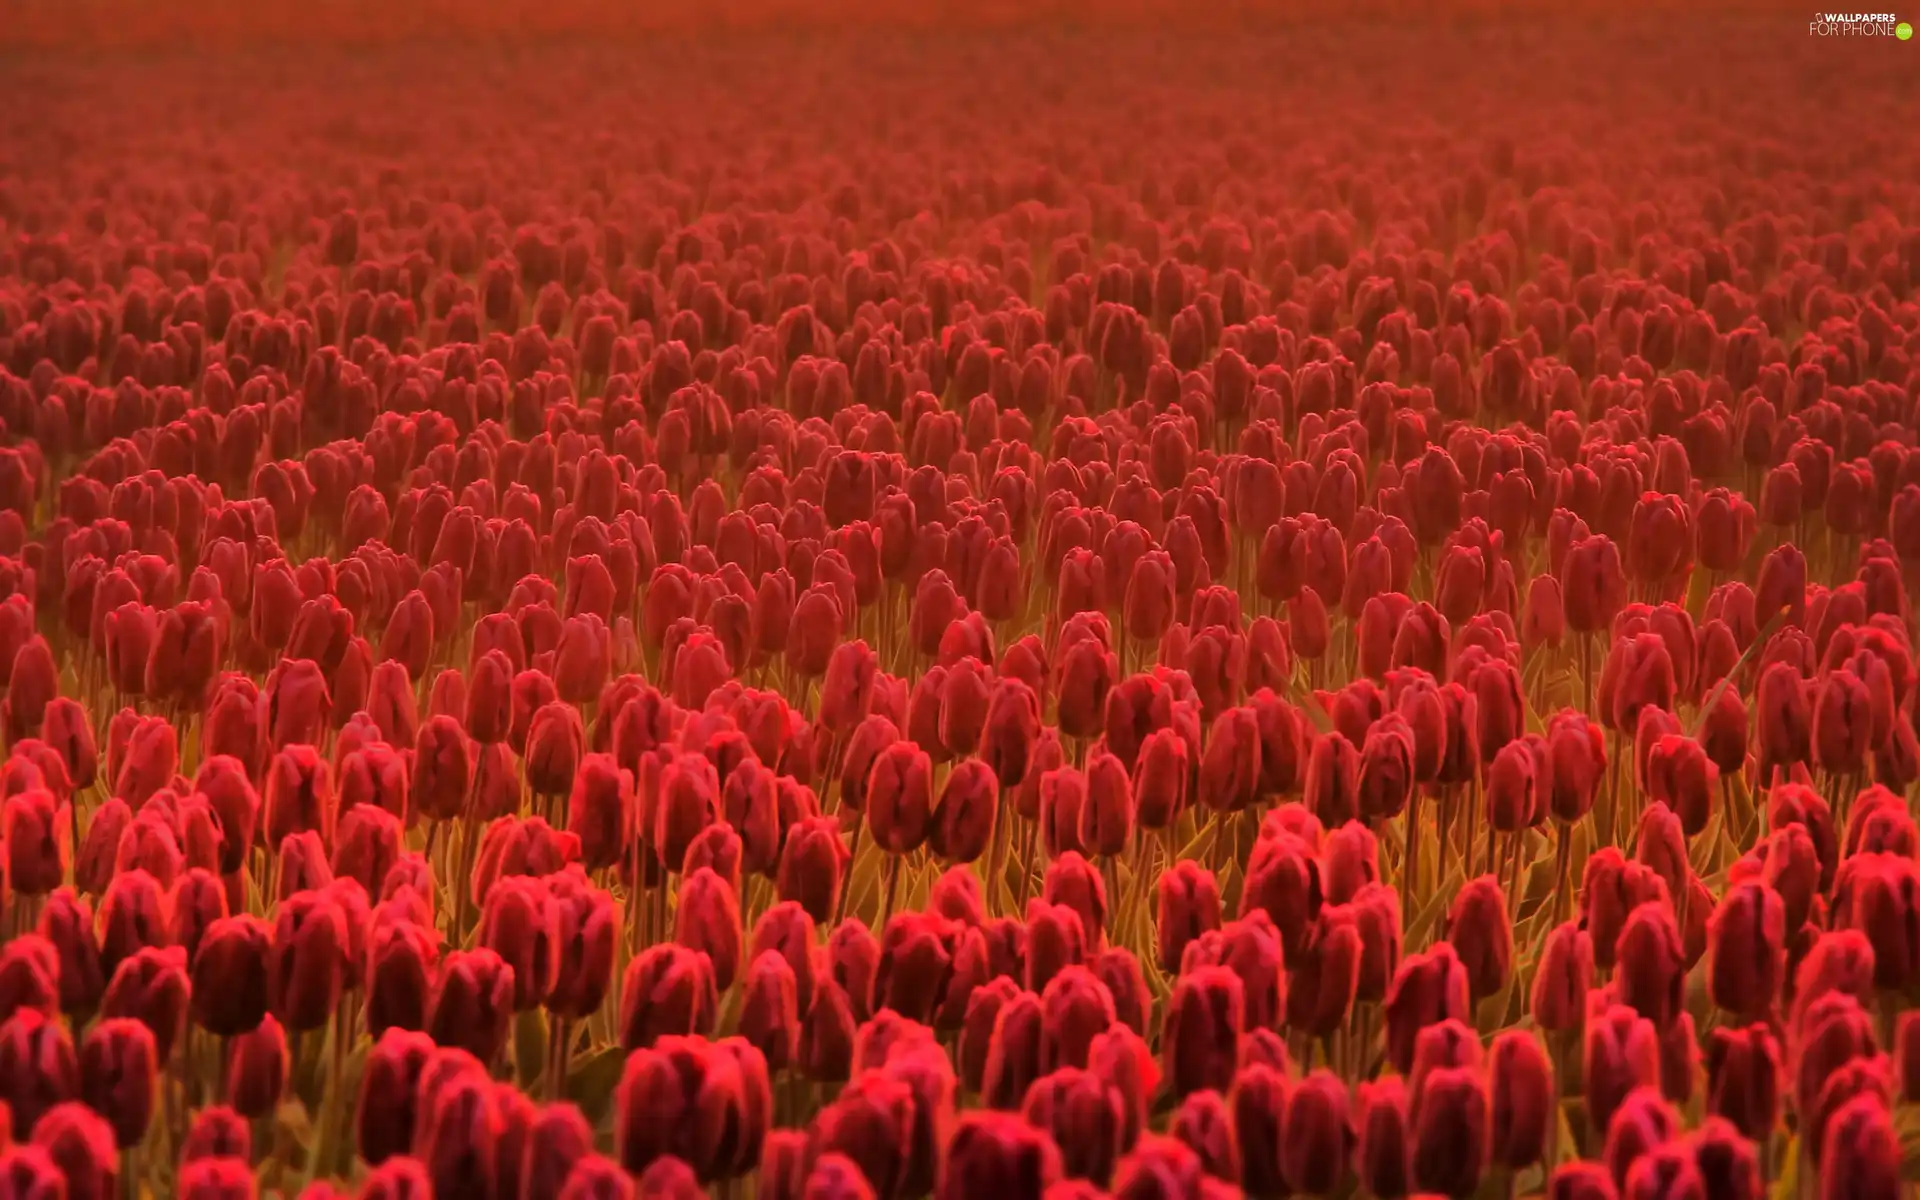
(1160, 780)
(68, 730)
(899, 800)
(1450, 1135)
(1200, 1036)
(1188, 906)
(472, 1003)
(1420, 641)
(1864, 1155)
(520, 922)
(308, 962)
(148, 761)
(374, 775)
(813, 866)
(1085, 1117)
(992, 1154)
(555, 743)
(81, 1145)
(230, 975)
(1581, 1181)
(963, 820)
(1478, 928)
(1523, 1099)
(1428, 988)
(708, 922)
(1230, 769)
(257, 1068)
(1332, 784)
(688, 800)
(1317, 1136)
(300, 796)
(402, 961)
(1743, 1079)
(1562, 978)
(1593, 582)
(1384, 1138)
(1643, 1123)
(133, 918)
(1621, 1054)
(389, 1092)
(667, 990)
(366, 845)
(118, 1076)
(218, 1132)
(34, 826)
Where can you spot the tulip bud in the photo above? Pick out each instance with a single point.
(472, 1003)
(687, 801)
(390, 1094)
(868, 1128)
(1652, 965)
(80, 1143)
(1593, 582)
(1085, 1117)
(230, 971)
(1747, 950)
(257, 1066)
(457, 1136)
(117, 1077)
(520, 923)
(1230, 769)
(1428, 988)
(1559, 999)
(1863, 1156)
(555, 743)
(1200, 1036)
(1477, 926)
(1524, 1101)
(813, 866)
(994, 1155)
(146, 763)
(1317, 1136)
(1622, 1053)
(1010, 730)
(899, 804)
(442, 769)
(218, 1132)
(366, 846)
(307, 965)
(1204, 1124)
(1384, 779)
(1450, 1142)
(668, 990)
(1188, 906)
(1743, 1079)
(1333, 770)
(401, 961)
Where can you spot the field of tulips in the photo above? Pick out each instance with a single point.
(1022, 614)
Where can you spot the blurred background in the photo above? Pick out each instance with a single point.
(83, 24)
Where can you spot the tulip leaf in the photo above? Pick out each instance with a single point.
(1428, 917)
(591, 1082)
(1191, 851)
(1569, 1145)
(530, 1045)
(1713, 697)
(1787, 1182)
(1705, 850)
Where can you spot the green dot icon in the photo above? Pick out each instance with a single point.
(1903, 31)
